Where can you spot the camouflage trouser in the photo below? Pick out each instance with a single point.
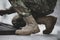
(35, 7)
(20, 7)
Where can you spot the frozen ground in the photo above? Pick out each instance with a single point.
(33, 37)
(55, 35)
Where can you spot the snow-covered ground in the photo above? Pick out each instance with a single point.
(55, 35)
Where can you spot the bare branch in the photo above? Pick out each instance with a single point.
(7, 11)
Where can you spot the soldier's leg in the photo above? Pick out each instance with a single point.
(31, 25)
(49, 22)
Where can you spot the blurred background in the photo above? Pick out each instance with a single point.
(4, 4)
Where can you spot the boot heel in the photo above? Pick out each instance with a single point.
(36, 30)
